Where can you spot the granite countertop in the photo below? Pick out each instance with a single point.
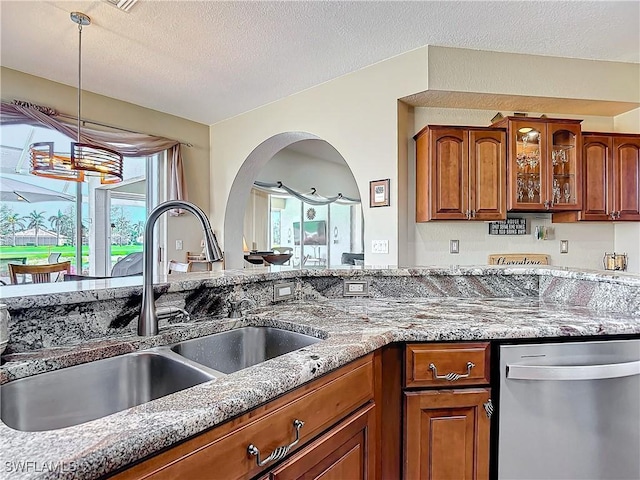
(59, 293)
(350, 327)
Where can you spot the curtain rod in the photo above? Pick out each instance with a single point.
(84, 121)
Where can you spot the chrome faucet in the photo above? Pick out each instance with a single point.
(148, 319)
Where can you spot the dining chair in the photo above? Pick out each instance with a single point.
(177, 267)
(38, 273)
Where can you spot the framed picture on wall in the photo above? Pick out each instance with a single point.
(379, 193)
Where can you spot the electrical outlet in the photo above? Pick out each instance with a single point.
(178, 244)
(283, 291)
(380, 246)
(564, 246)
(454, 246)
(356, 288)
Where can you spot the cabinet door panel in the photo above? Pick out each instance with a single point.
(345, 452)
(450, 435)
(446, 435)
(564, 160)
(423, 190)
(449, 174)
(598, 177)
(488, 164)
(626, 159)
(527, 165)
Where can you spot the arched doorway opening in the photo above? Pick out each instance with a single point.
(302, 161)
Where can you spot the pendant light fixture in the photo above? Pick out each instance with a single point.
(84, 158)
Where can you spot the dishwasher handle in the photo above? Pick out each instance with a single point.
(580, 372)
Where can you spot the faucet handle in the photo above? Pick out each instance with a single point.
(235, 307)
(170, 312)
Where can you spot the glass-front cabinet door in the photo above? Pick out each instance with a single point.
(564, 152)
(544, 164)
(528, 148)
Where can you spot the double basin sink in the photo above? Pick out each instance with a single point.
(85, 392)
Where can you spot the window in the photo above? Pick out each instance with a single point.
(318, 235)
(44, 219)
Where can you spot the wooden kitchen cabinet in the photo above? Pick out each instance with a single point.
(611, 165)
(447, 434)
(338, 414)
(447, 420)
(426, 364)
(460, 173)
(345, 452)
(544, 164)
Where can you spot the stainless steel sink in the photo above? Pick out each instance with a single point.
(234, 350)
(78, 394)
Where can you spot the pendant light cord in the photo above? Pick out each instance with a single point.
(79, 77)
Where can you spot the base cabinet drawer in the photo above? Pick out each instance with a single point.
(346, 452)
(225, 453)
(447, 365)
(446, 434)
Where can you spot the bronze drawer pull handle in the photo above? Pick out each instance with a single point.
(452, 377)
(280, 452)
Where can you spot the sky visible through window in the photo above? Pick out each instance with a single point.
(30, 230)
(15, 141)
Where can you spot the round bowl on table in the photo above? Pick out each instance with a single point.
(277, 259)
(254, 259)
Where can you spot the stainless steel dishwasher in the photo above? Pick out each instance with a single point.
(570, 411)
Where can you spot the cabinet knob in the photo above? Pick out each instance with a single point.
(547, 204)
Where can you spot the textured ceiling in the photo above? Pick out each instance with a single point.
(209, 60)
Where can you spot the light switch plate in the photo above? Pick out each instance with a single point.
(283, 291)
(356, 288)
(178, 244)
(454, 246)
(564, 246)
(379, 246)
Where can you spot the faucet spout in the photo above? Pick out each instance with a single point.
(148, 319)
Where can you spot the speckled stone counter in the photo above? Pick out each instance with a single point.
(405, 305)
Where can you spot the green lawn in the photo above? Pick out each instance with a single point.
(40, 254)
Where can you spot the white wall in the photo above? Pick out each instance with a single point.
(359, 115)
(627, 234)
(356, 114)
(256, 221)
(302, 172)
(587, 242)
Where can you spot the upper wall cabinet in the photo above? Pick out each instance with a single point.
(544, 164)
(611, 179)
(460, 173)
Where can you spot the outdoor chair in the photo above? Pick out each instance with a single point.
(54, 257)
(38, 273)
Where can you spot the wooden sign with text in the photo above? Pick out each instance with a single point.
(518, 259)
